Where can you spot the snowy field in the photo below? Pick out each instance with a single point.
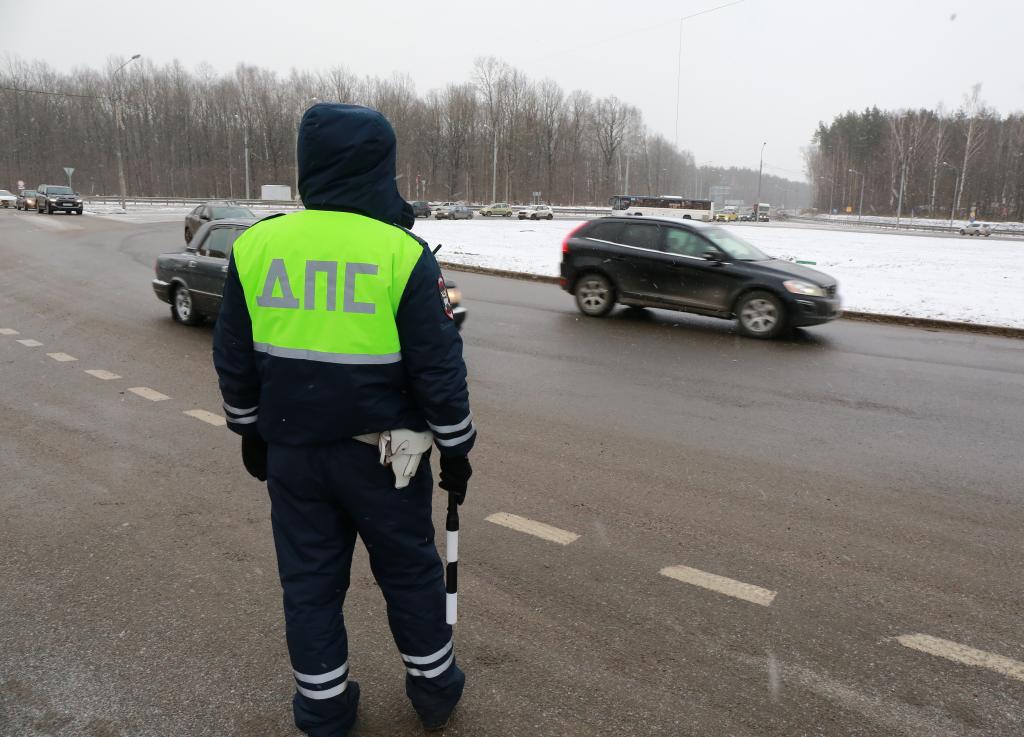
(976, 280)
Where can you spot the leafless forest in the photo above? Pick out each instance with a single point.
(184, 133)
(962, 161)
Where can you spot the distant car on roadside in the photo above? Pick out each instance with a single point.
(26, 199)
(211, 211)
(434, 209)
(51, 198)
(454, 212)
(728, 214)
(420, 209)
(536, 212)
(976, 229)
(497, 209)
(691, 266)
(7, 199)
(192, 281)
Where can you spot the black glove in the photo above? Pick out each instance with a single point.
(455, 473)
(254, 456)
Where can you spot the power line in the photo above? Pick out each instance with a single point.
(54, 94)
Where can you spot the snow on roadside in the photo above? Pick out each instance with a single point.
(976, 280)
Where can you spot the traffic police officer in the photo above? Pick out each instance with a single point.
(336, 325)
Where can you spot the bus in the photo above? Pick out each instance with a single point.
(663, 206)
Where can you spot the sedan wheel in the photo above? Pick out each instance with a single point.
(595, 296)
(761, 315)
(182, 309)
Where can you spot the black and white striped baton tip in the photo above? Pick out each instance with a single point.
(451, 549)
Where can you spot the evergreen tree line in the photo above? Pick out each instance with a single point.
(184, 134)
(947, 163)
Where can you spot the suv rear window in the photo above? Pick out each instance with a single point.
(611, 231)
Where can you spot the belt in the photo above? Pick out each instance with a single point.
(401, 450)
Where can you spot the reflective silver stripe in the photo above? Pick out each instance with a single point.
(434, 671)
(236, 411)
(449, 442)
(242, 420)
(323, 677)
(424, 659)
(452, 428)
(321, 695)
(323, 357)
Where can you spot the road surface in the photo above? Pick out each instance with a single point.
(671, 531)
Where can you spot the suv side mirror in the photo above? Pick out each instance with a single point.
(711, 255)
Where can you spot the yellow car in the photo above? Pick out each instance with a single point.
(497, 209)
(727, 215)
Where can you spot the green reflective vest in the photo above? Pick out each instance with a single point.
(325, 286)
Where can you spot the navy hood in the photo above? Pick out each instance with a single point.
(346, 156)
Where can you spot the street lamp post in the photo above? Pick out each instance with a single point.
(956, 183)
(119, 131)
(860, 208)
(903, 181)
(245, 144)
(760, 171)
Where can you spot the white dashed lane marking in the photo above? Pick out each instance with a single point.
(531, 527)
(721, 584)
(963, 654)
(208, 417)
(29, 343)
(62, 357)
(8, 331)
(102, 374)
(146, 393)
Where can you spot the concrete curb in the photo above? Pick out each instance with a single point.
(914, 322)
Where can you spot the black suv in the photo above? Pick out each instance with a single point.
(695, 267)
(51, 198)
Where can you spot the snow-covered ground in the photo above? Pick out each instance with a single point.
(976, 280)
(967, 280)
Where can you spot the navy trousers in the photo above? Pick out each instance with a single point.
(322, 497)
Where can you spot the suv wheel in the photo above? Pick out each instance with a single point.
(182, 308)
(760, 315)
(595, 295)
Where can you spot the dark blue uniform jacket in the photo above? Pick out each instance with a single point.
(347, 163)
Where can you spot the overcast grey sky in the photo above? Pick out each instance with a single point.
(762, 70)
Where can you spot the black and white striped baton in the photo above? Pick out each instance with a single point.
(451, 551)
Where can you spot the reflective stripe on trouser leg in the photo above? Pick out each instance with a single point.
(314, 540)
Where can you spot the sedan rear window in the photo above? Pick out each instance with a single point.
(221, 213)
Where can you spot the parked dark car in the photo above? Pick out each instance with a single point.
(51, 198)
(211, 211)
(26, 199)
(420, 209)
(192, 281)
(691, 266)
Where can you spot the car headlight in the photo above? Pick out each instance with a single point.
(78, 200)
(807, 289)
(454, 295)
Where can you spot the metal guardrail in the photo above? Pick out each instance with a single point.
(907, 225)
(183, 201)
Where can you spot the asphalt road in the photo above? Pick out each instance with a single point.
(864, 481)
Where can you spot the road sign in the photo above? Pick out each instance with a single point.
(69, 170)
(21, 184)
